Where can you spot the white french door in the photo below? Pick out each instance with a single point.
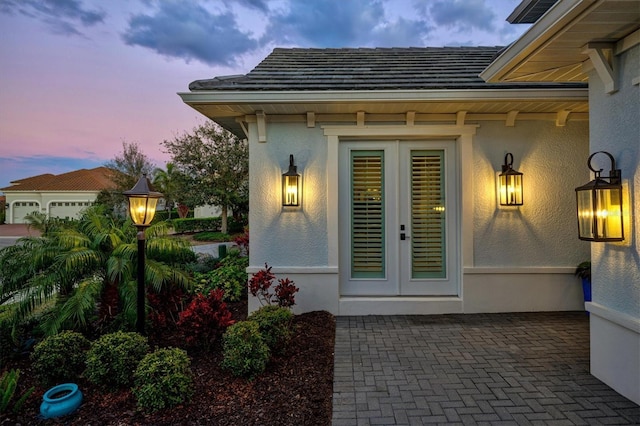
(398, 218)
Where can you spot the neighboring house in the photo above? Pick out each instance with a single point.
(207, 210)
(58, 196)
(399, 151)
(598, 42)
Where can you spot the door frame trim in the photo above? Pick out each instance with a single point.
(463, 135)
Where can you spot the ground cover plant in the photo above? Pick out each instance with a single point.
(187, 370)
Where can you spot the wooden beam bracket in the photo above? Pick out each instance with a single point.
(603, 60)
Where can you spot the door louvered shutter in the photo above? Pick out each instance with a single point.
(428, 215)
(367, 214)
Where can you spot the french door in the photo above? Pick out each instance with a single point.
(398, 218)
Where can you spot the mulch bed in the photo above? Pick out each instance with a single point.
(296, 389)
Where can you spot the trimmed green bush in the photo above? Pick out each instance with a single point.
(163, 379)
(275, 324)
(196, 225)
(245, 351)
(60, 358)
(113, 358)
(212, 236)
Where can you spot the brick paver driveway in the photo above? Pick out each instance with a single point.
(516, 369)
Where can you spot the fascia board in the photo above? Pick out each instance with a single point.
(293, 97)
(536, 37)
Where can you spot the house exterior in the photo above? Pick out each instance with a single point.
(369, 129)
(598, 42)
(399, 151)
(58, 196)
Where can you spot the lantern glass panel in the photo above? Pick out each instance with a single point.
(511, 189)
(142, 210)
(290, 190)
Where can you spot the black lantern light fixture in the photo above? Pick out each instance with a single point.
(291, 182)
(510, 183)
(142, 208)
(599, 205)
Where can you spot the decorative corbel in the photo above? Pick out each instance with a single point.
(562, 117)
(311, 119)
(602, 58)
(410, 118)
(262, 126)
(360, 118)
(460, 117)
(511, 118)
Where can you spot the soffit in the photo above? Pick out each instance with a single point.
(552, 49)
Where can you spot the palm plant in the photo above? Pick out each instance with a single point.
(66, 272)
(166, 181)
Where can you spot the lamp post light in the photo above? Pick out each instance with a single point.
(142, 208)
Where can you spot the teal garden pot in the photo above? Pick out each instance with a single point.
(60, 400)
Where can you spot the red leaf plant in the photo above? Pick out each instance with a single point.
(284, 292)
(205, 319)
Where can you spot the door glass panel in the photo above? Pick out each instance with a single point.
(367, 214)
(427, 215)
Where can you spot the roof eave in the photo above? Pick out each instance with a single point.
(547, 27)
(291, 97)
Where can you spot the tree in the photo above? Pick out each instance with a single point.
(166, 181)
(214, 167)
(132, 163)
(127, 167)
(63, 274)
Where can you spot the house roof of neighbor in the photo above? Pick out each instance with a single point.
(425, 68)
(79, 180)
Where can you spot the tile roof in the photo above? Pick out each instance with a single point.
(369, 69)
(79, 180)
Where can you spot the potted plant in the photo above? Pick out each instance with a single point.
(583, 271)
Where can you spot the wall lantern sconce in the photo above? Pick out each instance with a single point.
(599, 205)
(510, 183)
(142, 208)
(291, 182)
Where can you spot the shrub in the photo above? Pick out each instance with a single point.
(60, 358)
(242, 241)
(275, 324)
(212, 236)
(165, 307)
(244, 349)
(193, 225)
(163, 379)
(284, 291)
(114, 357)
(230, 276)
(205, 319)
(8, 387)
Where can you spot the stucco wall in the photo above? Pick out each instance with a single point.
(615, 128)
(543, 231)
(288, 236)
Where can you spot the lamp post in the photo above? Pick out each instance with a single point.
(142, 208)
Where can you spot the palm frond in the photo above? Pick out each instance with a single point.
(75, 310)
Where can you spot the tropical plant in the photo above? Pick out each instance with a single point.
(65, 273)
(583, 270)
(229, 276)
(8, 387)
(165, 181)
(284, 292)
(205, 319)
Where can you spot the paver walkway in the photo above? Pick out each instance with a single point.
(515, 369)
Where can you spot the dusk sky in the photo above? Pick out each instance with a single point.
(79, 78)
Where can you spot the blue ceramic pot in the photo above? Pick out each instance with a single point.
(60, 400)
